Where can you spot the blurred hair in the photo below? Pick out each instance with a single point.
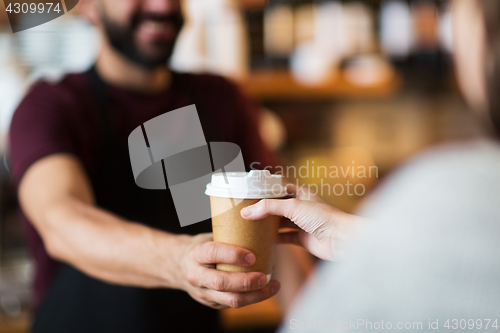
(491, 12)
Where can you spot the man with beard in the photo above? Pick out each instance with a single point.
(111, 257)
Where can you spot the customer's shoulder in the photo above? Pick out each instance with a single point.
(455, 157)
(464, 170)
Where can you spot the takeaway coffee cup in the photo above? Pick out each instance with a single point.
(229, 193)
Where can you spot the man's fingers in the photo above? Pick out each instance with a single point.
(219, 253)
(232, 281)
(238, 300)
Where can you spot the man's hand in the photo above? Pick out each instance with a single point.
(57, 197)
(322, 229)
(219, 289)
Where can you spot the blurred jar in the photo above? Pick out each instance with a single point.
(304, 18)
(359, 29)
(213, 39)
(425, 25)
(278, 30)
(12, 84)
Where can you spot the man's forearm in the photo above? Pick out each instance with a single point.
(109, 248)
(57, 198)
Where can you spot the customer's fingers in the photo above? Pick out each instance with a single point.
(301, 192)
(312, 217)
(238, 300)
(231, 281)
(265, 207)
(219, 253)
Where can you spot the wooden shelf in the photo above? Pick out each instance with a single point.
(280, 84)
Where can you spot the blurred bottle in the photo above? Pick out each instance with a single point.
(425, 35)
(304, 19)
(359, 28)
(396, 37)
(445, 37)
(319, 41)
(425, 26)
(190, 49)
(214, 39)
(279, 31)
(362, 65)
(255, 25)
(445, 28)
(227, 40)
(328, 28)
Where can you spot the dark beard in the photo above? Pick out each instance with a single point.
(122, 39)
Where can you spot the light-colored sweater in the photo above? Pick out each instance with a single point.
(430, 258)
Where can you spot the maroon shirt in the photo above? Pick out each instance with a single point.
(64, 118)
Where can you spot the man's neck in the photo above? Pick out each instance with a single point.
(117, 70)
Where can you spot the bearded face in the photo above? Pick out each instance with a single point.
(144, 34)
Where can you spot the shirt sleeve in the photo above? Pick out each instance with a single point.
(40, 127)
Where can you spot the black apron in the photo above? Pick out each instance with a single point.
(79, 303)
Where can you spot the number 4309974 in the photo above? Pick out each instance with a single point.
(470, 324)
(32, 8)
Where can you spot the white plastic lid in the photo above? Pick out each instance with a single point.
(256, 184)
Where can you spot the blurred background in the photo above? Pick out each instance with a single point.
(340, 83)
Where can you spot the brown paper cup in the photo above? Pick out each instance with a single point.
(257, 236)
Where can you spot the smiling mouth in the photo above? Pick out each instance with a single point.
(156, 30)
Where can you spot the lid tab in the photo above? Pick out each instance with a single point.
(256, 184)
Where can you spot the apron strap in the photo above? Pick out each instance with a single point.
(210, 128)
(98, 88)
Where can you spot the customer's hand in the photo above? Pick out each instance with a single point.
(219, 289)
(322, 229)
